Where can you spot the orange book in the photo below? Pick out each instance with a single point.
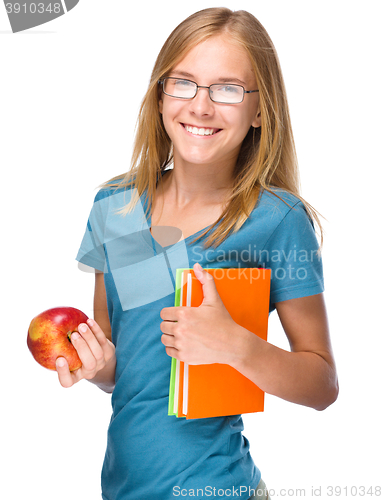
(200, 391)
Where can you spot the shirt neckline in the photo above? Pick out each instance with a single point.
(153, 241)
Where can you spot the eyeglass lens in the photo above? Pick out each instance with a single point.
(186, 89)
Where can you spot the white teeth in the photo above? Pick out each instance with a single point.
(199, 131)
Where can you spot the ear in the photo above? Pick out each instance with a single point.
(257, 122)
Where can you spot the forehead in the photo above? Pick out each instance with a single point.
(217, 58)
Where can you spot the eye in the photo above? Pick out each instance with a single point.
(229, 89)
(183, 83)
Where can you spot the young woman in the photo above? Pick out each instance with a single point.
(213, 183)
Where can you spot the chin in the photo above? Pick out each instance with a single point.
(196, 158)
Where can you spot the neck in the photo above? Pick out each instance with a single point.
(198, 184)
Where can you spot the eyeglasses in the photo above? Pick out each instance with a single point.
(222, 93)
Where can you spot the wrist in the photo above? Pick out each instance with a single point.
(239, 347)
(105, 378)
(243, 349)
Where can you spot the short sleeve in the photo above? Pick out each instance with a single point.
(92, 249)
(292, 254)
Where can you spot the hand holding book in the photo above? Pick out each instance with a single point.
(200, 335)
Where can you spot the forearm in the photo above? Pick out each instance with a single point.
(105, 378)
(305, 378)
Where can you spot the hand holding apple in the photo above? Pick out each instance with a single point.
(98, 356)
(49, 336)
(65, 340)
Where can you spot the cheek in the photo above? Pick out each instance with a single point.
(165, 121)
(247, 121)
(169, 111)
(241, 125)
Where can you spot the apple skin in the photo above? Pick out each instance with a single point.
(48, 336)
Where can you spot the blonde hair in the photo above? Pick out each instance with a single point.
(267, 158)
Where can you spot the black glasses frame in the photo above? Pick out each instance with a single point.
(162, 81)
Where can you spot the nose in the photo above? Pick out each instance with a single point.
(201, 104)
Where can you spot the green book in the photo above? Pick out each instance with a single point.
(174, 371)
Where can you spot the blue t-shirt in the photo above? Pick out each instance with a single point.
(150, 454)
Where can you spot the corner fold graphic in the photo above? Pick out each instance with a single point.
(70, 4)
(26, 15)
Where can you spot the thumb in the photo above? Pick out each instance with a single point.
(210, 293)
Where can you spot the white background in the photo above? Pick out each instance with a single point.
(69, 96)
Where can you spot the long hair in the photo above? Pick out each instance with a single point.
(267, 157)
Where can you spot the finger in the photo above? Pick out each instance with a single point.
(209, 289)
(89, 362)
(168, 327)
(65, 376)
(172, 352)
(169, 313)
(98, 333)
(167, 340)
(92, 341)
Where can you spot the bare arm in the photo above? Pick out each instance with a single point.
(105, 378)
(307, 374)
(94, 347)
(100, 305)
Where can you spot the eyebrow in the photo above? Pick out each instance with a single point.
(220, 80)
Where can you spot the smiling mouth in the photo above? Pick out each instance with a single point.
(202, 131)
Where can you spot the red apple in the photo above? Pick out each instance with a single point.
(49, 336)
